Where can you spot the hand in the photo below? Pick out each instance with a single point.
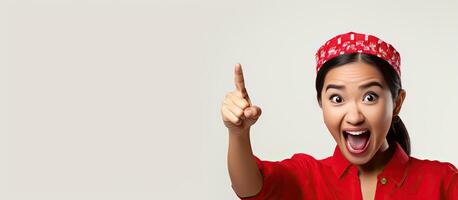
(237, 111)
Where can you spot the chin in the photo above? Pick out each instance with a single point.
(360, 160)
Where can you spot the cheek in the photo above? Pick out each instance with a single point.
(380, 117)
(332, 118)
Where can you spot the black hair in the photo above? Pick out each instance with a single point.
(398, 131)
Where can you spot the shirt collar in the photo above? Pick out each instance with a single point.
(395, 168)
(340, 163)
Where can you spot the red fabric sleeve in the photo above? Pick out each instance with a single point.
(451, 182)
(281, 178)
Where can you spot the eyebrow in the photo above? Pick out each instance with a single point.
(361, 87)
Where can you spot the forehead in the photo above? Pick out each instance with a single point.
(353, 73)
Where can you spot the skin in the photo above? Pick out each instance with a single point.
(351, 106)
(239, 114)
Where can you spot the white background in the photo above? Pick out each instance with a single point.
(104, 99)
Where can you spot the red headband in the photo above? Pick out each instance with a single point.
(352, 42)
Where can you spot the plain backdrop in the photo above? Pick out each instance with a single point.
(120, 99)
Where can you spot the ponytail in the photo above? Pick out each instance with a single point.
(399, 134)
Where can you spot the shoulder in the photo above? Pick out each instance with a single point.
(296, 161)
(302, 157)
(444, 173)
(299, 159)
(433, 166)
(295, 158)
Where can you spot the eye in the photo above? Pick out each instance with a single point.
(371, 97)
(336, 99)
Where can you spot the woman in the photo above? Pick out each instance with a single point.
(359, 90)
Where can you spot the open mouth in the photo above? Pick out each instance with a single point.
(357, 141)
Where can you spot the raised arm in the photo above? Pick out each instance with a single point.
(238, 116)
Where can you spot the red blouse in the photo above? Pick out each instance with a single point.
(404, 177)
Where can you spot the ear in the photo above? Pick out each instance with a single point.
(398, 102)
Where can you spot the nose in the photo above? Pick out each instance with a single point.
(354, 116)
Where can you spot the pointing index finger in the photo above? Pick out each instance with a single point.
(239, 80)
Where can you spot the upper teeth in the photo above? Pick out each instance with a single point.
(355, 132)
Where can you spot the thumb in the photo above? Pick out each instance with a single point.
(252, 112)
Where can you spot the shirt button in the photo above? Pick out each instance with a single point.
(383, 181)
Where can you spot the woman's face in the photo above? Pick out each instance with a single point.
(357, 109)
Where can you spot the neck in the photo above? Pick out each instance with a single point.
(378, 162)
